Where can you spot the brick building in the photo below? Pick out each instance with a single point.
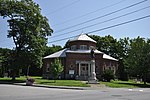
(76, 59)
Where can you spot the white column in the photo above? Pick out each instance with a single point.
(79, 69)
(92, 69)
(89, 70)
(92, 78)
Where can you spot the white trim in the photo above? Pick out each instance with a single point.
(105, 56)
(61, 53)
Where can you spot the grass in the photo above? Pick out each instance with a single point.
(76, 83)
(7, 80)
(39, 80)
(126, 84)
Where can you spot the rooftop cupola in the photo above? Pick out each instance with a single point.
(83, 37)
(81, 42)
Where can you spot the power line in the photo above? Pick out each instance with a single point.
(61, 8)
(104, 28)
(78, 17)
(101, 16)
(102, 21)
(119, 24)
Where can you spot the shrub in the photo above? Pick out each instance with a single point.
(108, 75)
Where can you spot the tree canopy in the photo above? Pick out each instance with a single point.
(133, 54)
(52, 49)
(28, 29)
(139, 57)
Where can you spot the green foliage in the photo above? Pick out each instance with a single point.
(50, 50)
(133, 54)
(108, 75)
(4, 54)
(56, 68)
(106, 44)
(139, 57)
(117, 49)
(28, 29)
(4, 60)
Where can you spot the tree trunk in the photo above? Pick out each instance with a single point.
(144, 78)
(13, 75)
(28, 70)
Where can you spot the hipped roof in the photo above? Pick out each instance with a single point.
(63, 52)
(83, 37)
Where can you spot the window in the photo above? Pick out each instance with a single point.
(91, 47)
(47, 67)
(83, 47)
(73, 47)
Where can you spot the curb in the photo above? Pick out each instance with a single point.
(57, 87)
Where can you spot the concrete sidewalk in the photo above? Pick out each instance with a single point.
(50, 86)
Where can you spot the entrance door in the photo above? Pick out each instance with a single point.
(84, 70)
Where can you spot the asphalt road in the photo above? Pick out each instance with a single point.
(14, 92)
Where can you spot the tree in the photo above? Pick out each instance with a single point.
(106, 44)
(56, 68)
(117, 49)
(29, 30)
(139, 57)
(4, 57)
(53, 49)
(122, 52)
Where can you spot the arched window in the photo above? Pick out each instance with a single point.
(83, 47)
(47, 67)
(73, 47)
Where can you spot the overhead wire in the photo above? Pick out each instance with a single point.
(130, 21)
(101, 16)
(102, 21)
(61, 8)
(78, 17)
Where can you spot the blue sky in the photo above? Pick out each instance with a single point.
(66, 13)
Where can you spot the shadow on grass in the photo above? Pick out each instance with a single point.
(46, 82)
(10, 81)
(137, 85)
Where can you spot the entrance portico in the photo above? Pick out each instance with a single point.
(84, 69)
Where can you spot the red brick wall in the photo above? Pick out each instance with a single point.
(73, 57)
(110, 63)
(49, 61)
(69, 63)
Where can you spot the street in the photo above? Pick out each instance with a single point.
(16, 92)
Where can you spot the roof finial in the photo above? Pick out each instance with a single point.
(82, 32)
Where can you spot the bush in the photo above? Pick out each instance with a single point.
(108, 75)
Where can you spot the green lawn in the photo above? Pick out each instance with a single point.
(76, 83)
(9, 81)
(39, 80)
(126, 84)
